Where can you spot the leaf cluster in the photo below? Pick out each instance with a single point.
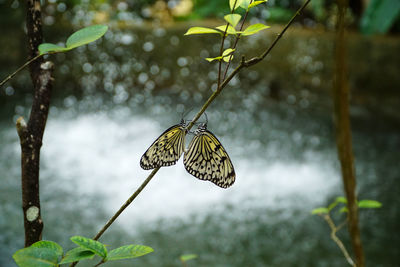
(49, 254)
(366, 204)
(230, 28)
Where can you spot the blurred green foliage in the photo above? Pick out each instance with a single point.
(379, 17)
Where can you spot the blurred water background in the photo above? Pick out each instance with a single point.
(112, 98)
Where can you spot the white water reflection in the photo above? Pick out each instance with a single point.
(97, 155)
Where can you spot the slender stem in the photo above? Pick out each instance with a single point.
(221, 49)
(18, 70)
(98, 264)
(126, 204)
(340, 226)
(338, 242)
(235, 44)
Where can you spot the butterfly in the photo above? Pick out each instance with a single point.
(166, 149)
(207, 159)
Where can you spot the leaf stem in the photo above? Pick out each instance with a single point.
(338, 242)
(234, 45)
(19, 69)
(221, 49)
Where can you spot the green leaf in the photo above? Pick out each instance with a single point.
(341, 200)
(86, 35)
(188, 257)
(40, 254)
(332, 205)
(51, 48)
(230, 29)
(226, 54)
(77, 254)
(245, 4)
(201, 30)
(256, 3)
(369, 204)
(233, 19)
(49, 245)
(90, 244)
(321, 210)
(252, 29)
(379, 16)
(211, 59)
(128, 252)
(232, 2)
(79, 38)
(343, 210)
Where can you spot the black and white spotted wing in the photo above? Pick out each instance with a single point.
(166, 149)
(207, 159)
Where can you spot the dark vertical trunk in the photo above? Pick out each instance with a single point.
(31, 134)
(343, 133)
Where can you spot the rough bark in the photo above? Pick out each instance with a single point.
(31, 133)
(343, 133)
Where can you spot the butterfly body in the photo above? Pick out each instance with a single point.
(166, 149)
(207, 159)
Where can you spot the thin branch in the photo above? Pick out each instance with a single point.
(126, 204)
(221, 49)
(99, 263)
(338, 242)
(340, 226)
(235, 44)
(243, 64)
(19, 69)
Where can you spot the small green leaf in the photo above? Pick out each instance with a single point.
(252, 29)
(343, 210)
(188, 257)
(256, 3)
(232, 2)
(128, 252)
(341, 200)
(49, 245)
(233, 19)
(369, 204)
(40, 254)
(230, 29)
(201, 30)
(321, 210)
(226, 54)
(86, 35)
(77, 254)
(332, 205)
(90, 244)
(51, 48)
(211, 59)
(245, 4)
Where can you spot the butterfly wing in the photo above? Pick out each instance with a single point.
(166, 149)
(207, 159)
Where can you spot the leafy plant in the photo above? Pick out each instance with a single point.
(49, 253)
(324, 212)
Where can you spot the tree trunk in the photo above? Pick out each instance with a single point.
(31, 134)
(343, 132)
